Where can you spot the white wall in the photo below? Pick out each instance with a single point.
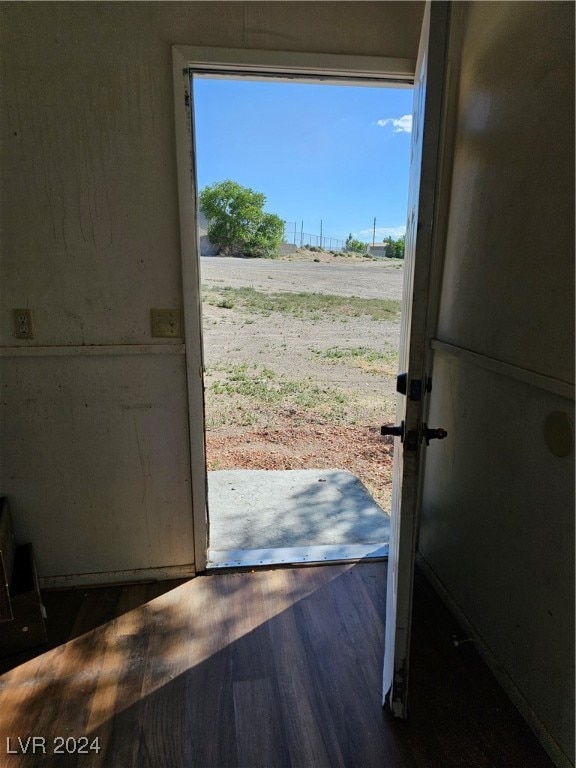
(100, 448)
(95, 449)
(498, 506)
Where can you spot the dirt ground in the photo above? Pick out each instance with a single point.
(336, 403)
(344, 276)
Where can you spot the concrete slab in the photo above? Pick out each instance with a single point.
(265, 509)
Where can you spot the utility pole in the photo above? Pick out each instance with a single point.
(301, 233)
(374, 232)
(320, 233)
(294, 233)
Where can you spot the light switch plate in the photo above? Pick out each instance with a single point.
(166, 323)
(22, 323)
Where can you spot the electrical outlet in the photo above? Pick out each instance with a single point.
(22, 323)
(166, 323)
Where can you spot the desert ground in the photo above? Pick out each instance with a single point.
(301, 358)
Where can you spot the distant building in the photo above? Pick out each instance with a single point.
(207, 248)
(382, 250)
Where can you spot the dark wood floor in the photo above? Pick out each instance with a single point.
(264, 669)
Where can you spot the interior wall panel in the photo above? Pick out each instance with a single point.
(95, 461)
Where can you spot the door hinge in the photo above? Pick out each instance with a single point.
(401, 383)
(416, 386)
(411, 440)
(415, 390)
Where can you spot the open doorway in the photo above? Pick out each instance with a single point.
(190, 62)
(300, 340)
(428, 165)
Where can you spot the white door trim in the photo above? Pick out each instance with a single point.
(191, 301)
(323, 66)
(187, 60)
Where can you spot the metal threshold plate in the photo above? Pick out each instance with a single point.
(325, 553)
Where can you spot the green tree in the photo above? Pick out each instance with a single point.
(237, 221)
(399, 246)
(395, 249)
(357, 246)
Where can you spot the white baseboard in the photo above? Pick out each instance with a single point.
(103, 578)
(557, 755)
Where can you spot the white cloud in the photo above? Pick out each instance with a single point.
(401, 125)
(381, 233)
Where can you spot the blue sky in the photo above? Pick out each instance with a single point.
(334, 153)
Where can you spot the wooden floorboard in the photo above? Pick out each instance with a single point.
(267, 669)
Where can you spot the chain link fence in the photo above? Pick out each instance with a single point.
(296, 236)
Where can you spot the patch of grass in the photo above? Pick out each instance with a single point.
(249, 388)
(238, 416)
(337, 353)
(301, 304)
(369, 360)
(225, 304)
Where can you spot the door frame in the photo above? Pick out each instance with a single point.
(229, 62)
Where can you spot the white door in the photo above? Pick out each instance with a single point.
(428, 88)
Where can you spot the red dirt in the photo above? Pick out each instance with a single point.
(358, 449)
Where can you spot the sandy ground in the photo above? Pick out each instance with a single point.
(288, 344)
(338, 275)
(289, 438)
